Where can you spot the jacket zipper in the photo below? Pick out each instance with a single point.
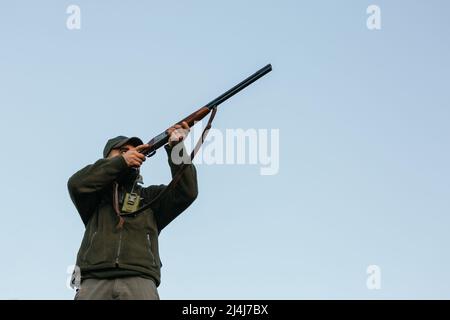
(150, 248)
(90, 245)
(118, 249)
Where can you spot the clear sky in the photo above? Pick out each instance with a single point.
(363, 118)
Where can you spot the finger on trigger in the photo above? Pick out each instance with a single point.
(142, 147)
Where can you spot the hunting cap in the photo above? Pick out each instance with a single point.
(119, 141)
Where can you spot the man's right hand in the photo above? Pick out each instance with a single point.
(133, 157)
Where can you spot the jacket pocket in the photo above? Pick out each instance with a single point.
(89, 245)
(149, 242)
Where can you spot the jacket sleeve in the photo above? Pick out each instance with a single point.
(178, 199)
(85, 185)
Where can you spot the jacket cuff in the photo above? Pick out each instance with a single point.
(169, 152)
(119, 163)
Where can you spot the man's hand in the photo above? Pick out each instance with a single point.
(178, 133)
(133, 157)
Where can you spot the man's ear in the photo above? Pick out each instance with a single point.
(111, 154)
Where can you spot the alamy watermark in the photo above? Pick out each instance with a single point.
(73, 280)
(373, 281)
(73, 21)
(374, 20)
(234, 146)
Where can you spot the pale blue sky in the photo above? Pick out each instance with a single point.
(364, 141)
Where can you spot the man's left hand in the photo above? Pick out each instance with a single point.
(178, 133)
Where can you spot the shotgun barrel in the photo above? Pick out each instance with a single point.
(162, 138)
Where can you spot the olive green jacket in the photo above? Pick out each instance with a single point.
(133, 249)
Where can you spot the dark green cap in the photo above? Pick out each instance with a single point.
(119, 141)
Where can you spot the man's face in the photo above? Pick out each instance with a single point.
(129, 175)
(119, 151)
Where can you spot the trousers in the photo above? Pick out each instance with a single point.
(124, 288)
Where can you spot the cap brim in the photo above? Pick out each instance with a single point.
(134, 141)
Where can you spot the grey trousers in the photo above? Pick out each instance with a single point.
(126, 288)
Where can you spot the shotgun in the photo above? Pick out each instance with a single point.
(162, 138)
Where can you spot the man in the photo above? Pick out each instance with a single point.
(118, 257)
